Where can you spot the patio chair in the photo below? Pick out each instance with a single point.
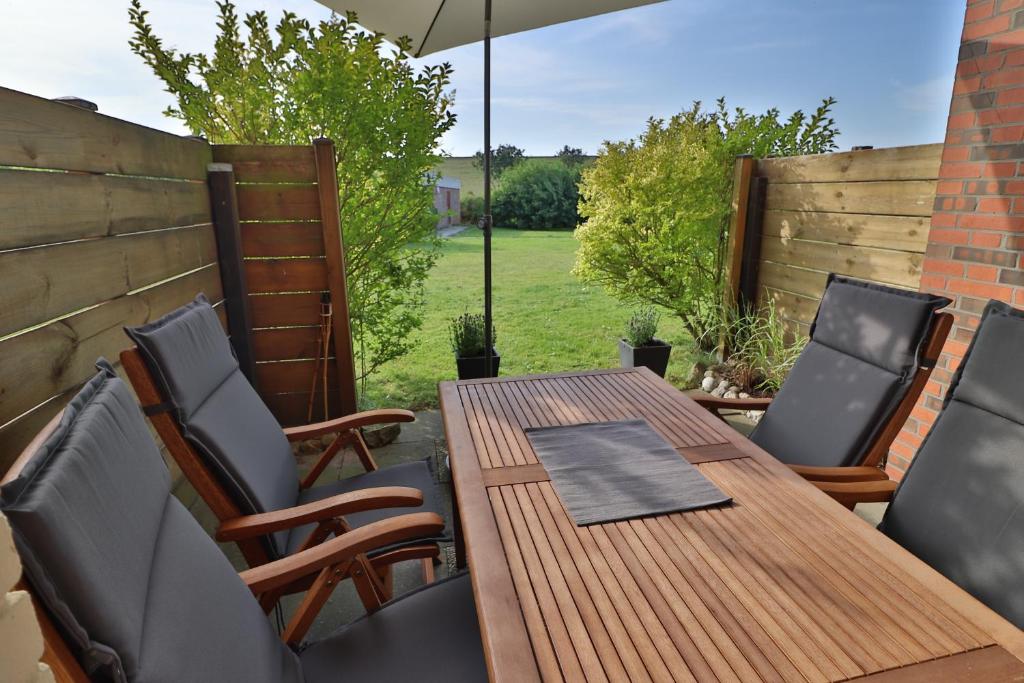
(239, 459)
(960, 506)
(128, 586)
(871, 351)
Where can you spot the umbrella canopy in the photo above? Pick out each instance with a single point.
(435, 25)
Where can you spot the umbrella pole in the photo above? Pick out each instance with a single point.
(488, 324)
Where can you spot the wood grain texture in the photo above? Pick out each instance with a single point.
(888, 266)
(43, 283)
(282, 239)
(903, 233)
(785, 584)
(919, 162)
(278, 310)
(38, 133)
(41, 207)
(55, 358)
(268, 163)
(269, 276)
(278, 202)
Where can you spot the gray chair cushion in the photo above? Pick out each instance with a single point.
(139, 590)
(960, 506)
(219, 411)
(428, 635)
(864, 350)
(418, 475)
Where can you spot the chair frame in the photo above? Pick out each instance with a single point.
(247, 531)
(869, 469)
(320, 568)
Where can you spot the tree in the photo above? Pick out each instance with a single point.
(502, 159)
(537, 195)
(300, 81)
(656, 208)
(573, 157)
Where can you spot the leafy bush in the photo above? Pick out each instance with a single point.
(299, 81)
(502, 159)
(467, 335)
(642, 327)
(471, 209)
(656, 209)
(537, 195)
(763, 352)
(573, 157)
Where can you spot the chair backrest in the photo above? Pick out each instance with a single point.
(219, 413)
(136, 588)
(858, 377)
(960, 506)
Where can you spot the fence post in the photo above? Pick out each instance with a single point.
(330, 221)
(751, 261)
(224, 208)
(743, 170)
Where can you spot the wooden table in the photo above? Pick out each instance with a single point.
(783, 585)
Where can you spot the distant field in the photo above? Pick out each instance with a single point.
(472, 177)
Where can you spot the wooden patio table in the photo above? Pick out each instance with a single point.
(782, 585)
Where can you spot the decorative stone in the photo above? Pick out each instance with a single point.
(719, 392)
(708, 384)
(744, 394)
(734, 388)
(709, 373)
(696, 374)
(381, 435)
(730, 394)
(724, 385)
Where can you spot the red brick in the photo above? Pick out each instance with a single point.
(936, 267)
(965, 119)
(994, 204)
(979, 289)
(1004, 115)
(922, 413)
(967, 84)
(979, 12)
(1015, 243)
(986, 239)
(992, 222)
(1018, 297)
(932, 283)
(986, 187)
(947, 236)
(1003, 169)
(1010, 96)
(961, 170)
(1012, 57)
(981, 29)
(1006, 5)
(986, 273)
(949, 187)
(956, 153)
(1008, 133)
(1000, 78)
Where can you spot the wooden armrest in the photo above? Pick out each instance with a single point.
(709, 402)
(839, 474)
(336, 506)
(851, 493)
(281, 573)
(354, 421)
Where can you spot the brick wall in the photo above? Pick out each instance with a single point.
(977, 227)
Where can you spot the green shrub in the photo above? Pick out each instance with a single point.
(642, 327)
(467, 335)
(763, 352)
(471, 208)
(294, 81)
(656, 209)
(537, 195)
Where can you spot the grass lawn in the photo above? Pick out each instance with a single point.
(546, 319)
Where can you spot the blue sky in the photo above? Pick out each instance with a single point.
(889, 63)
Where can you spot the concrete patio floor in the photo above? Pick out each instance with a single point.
(420, 439)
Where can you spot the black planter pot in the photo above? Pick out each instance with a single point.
(474, 367)
(654, 357)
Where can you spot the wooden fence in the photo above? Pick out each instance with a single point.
(864, 214)
(104, 224)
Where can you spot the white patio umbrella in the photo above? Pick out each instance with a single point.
(435, 25)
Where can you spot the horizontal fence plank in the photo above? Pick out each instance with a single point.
(283, 377)
(15, 436)
(907, 233)
(919, 162)
(810, 283)
(53, 359)
(276, 310)
(286, 275)
(41, 207)
(44, 283)
(895, 198)
(270, 202)
(282, 239)
(38, 133)
(269, 164)
(789, 306)
(286, 343)
(291, 409)
(881, 265)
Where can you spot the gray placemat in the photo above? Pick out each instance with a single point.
(611, 471)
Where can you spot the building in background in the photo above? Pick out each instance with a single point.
(446, 201)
